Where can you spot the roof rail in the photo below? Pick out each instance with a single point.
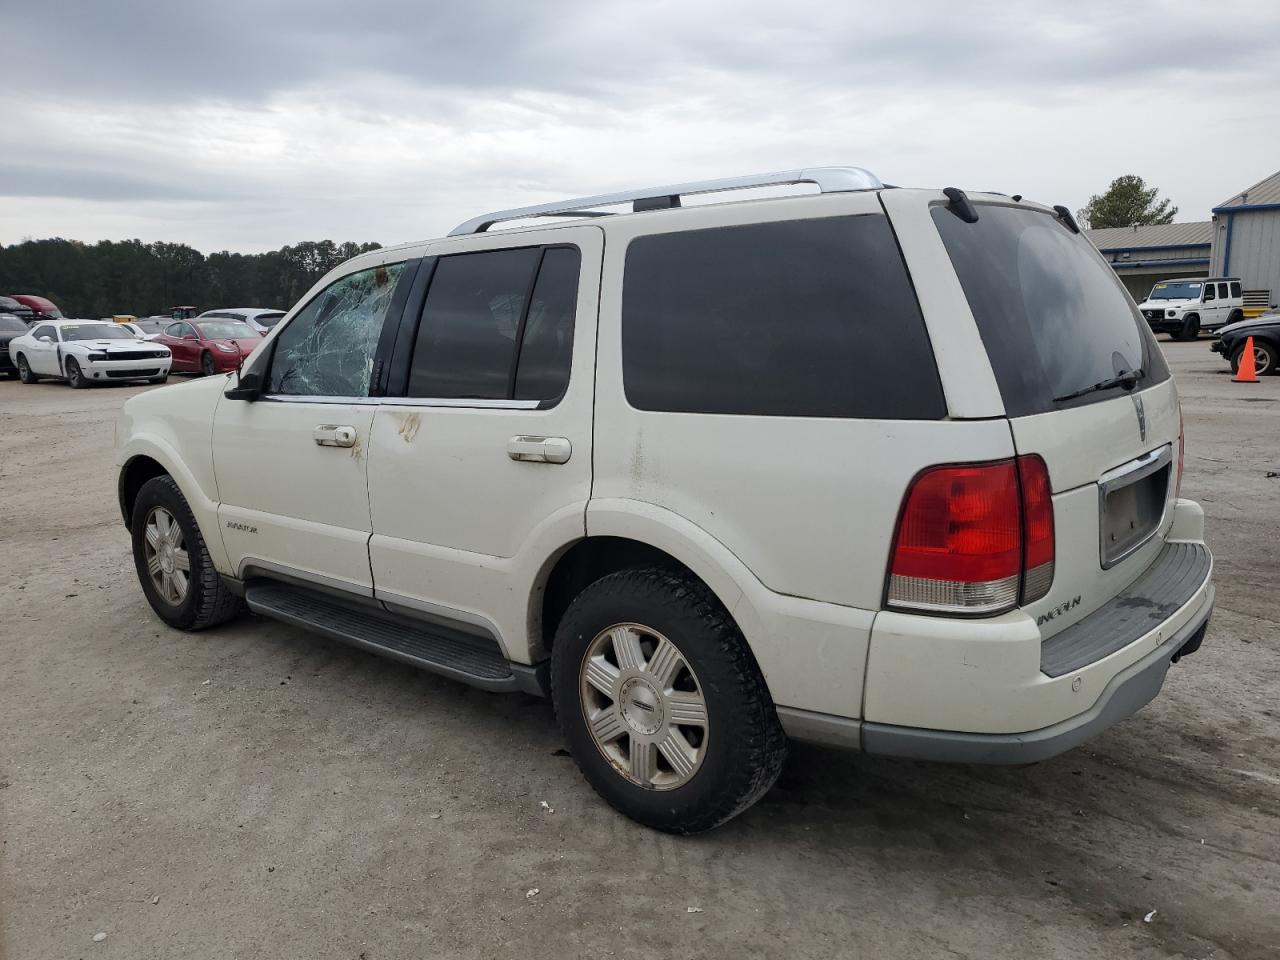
(827, 179)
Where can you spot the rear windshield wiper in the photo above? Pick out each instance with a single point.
(1129, 379)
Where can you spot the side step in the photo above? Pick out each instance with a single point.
(473, 660)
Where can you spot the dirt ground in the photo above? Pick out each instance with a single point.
(256, 792)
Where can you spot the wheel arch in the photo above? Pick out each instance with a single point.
(136, 471)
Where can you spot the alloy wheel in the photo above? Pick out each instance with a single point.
(168, 563)
(644, 706)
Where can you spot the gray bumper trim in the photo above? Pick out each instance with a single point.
(1129, 691)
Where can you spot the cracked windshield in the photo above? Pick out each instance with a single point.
(327, 351)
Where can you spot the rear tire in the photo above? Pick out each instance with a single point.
(24, 371)
(173, 562)
(661, 702)
(75, 376)
(1236, 317)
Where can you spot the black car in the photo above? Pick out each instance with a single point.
(19, 310)
(1265, 331)
(10, 326)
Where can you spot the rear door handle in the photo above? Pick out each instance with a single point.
(334, 435)
(540, 449)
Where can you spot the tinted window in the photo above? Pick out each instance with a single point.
(546, 349)
(327, 349)
(807, 318)
(1208, 293)
(45, 331)
(467, 338)
(268, 320)
(1052, 315)
(12, 325)
(1222, 291)
(1235, 288)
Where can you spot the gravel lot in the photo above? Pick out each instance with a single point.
(284, 796)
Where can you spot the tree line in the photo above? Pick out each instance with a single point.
(129, 276)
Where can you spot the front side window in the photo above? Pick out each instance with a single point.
(1208, 293)
(497, 325)
(178, 331)
(327, 349)
(45, 331)
(802, 318)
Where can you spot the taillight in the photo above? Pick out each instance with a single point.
(1037, 519)
(973, 538)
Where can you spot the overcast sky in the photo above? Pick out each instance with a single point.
(248, 124)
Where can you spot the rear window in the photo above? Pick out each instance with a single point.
(1053, 316)
(805, 318)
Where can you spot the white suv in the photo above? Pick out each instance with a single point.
(895, 470)
(1182, 308)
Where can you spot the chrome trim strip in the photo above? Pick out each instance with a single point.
(1136, 469)
(463, 403)
(353, 401)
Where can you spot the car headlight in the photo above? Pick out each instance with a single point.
(225, 348)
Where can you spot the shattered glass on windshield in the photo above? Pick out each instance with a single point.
(327, 350)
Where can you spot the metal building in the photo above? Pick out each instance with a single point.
(1142, 256)
(1246, 242)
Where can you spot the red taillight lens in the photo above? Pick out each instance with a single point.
(959, 543)
(973, 538)
(1037, 519)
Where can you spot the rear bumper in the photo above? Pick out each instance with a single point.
(1129, 691)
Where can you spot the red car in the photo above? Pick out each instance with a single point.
(208, 346)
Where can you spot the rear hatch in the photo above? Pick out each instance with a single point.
(1085, 387)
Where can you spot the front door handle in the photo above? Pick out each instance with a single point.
(334, 435)
(539, 449)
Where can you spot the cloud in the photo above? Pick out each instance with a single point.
(248, 125)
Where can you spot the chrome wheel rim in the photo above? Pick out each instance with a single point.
(1260, 358)
(165, 550)
(643, 706)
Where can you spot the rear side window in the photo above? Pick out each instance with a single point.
(1053, 316)
(804, 318)
(497, 325)
(1235, 288)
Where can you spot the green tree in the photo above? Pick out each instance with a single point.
(1128, 202)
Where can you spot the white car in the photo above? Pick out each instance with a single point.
(842, 467)
(262, 319)
(1182, 308)
(84, 352)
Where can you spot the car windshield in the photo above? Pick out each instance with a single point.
(1179, 290)
(268, 320)
(225, 330)
(10, 324)
(95, 331)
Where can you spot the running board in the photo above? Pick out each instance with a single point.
(473, 660)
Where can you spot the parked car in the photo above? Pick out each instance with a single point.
(10, 326)
(261, 319)
(1182, 308)
(151, 326)
(41, 308)
(1265, 331)
(14, 308)
(136, 329)
(209, 346)
(83, 352)
(844, 467)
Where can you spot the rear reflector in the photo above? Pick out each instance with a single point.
(973, 538)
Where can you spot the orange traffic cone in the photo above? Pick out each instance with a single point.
(1245, 372)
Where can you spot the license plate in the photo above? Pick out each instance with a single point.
(1131, 502)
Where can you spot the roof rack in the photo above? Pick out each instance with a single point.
(827, 179)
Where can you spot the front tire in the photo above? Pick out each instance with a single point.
(75, 376)
(207, 367)
(24, 371)
(173, 562)
(662, 703)
(1264, 358)
(1190, 329)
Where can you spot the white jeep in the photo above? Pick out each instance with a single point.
(894, 470)
(1182, 308)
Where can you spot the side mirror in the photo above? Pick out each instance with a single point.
(247, 386)
(44, 340)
